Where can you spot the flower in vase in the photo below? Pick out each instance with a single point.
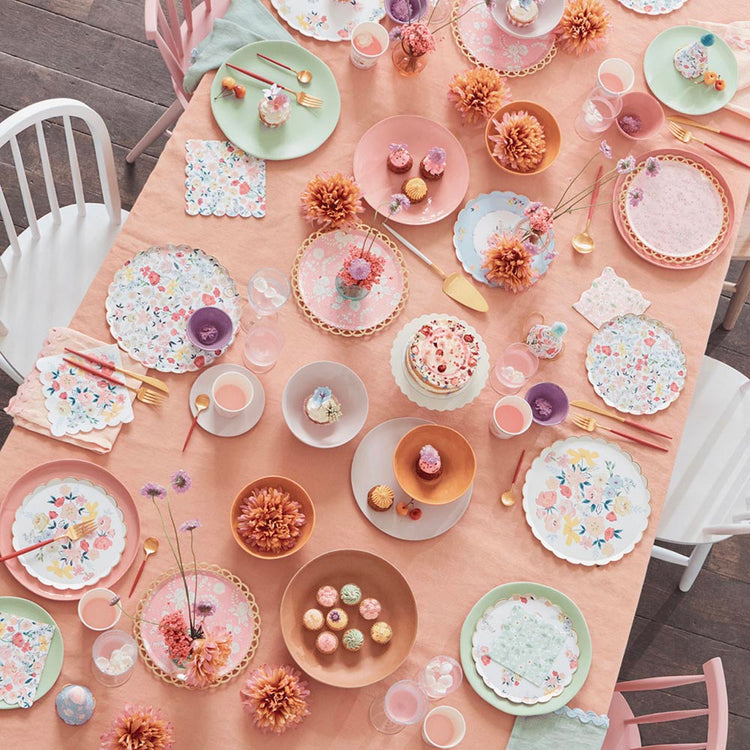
(606, 149)
(508, 263)
(626, 165)
(635, 196)
(205, 608)
(174, 631)
(154, 491)
(210, 654)
(138, 728)
(652, 166)
(181, 481)
(276, 698)
(539, 216)
(417, 39)
(361, 268)
(191, 525)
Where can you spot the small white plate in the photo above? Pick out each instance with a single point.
(436, 401)
(550, 13)
(210, 421)
(373, 464)
(348, 388)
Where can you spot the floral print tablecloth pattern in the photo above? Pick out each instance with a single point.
(636, 364)
(223, 180)
(79, 402)
(525, 649)
(586, 500)
(24, 645)
(152, 296)
(48, 511)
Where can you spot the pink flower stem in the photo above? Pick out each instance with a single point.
(562, 208)
(570, 184)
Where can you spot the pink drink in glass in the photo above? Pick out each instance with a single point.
(509, 418)
(405, 703)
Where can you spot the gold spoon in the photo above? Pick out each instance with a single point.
(303, 76)
(150, 547)
(508, 498)
(583, 242)
(202, 402)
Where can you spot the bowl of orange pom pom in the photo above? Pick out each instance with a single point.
(522, 138)
(272, 517)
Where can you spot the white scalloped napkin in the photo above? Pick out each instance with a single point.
(567, 728)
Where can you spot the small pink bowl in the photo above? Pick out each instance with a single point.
(642, 105)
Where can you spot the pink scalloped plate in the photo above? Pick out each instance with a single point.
(378, 183)
(61, 469)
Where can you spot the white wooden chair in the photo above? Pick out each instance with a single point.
(740, 290)
(46, 270)
(175, 39)
(708, 496)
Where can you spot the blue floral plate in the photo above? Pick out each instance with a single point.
(485, 215)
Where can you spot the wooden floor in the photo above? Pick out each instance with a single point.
(94, 50)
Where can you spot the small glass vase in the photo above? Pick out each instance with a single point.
(407, 64)
(350, 291)
(539, 241)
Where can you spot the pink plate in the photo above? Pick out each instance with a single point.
(378, 183)
(641, 240)
(61, 469)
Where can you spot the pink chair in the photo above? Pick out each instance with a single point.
(623, 731)
(175, 39)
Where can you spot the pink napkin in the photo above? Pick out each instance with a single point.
(27, 406)
(737, 36)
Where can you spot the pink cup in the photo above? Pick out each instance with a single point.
(647, 109)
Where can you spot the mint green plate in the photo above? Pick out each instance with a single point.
(584, 643)
(14, 605)
(306, 130)
(674, 91)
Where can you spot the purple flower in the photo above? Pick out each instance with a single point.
(635, 196)
(395, 33)
(114, 601)
(190, 525)
(626, 165)
(631, 124)
(398, 202)
(532, 248)
(181, 481)
(359, 269)
(652, 166)
(205, 608)
(606, 149)
(154, 491)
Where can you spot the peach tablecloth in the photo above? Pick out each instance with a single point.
(491, 544)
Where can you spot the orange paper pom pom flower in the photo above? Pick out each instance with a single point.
(508, 263)
(584, 27)
(276, 698)
(332, 201)
(519, 141)
(210, 654)
(138, 728)
(478, 93)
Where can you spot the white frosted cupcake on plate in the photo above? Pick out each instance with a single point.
(274, 109)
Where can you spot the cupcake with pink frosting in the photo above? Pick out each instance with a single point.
(429, 464)
(327, 642)
(399, 159)
(369, 608)
(432, 167)
(327, 596)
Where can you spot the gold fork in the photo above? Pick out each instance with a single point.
(589, 424)
(686, 136)
(303, 99)
(74, 533)
(143, 394)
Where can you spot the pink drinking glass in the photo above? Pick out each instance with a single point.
(514, 368)
(603, 103)
(404, 705)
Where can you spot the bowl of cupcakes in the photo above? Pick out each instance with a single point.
(348, 618)
(434, 464)
(522, 138)
(272, 517)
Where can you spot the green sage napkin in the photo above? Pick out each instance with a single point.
(244, 22)
(566, 729)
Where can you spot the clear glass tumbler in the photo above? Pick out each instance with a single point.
(514, 368)
(263, 344)
(404, 705)
(603, 103)
(267, 292)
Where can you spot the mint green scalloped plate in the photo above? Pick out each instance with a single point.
(584, 643)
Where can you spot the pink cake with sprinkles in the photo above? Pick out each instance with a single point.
(442, 356)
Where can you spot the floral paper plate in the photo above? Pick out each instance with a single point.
(314, 275)
(328, 20)
(488, 214)
(636, 364)
(152, 296)
(586, 500)
(653, 7)
(77, 402)
(525, 648)
(236, 611)
(485, 43)
(48, 511)
(685, 213)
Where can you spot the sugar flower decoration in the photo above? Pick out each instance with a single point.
(332, 201)
(320, 395)
(626, 165)
(478, 93)
(276, 97)
(210, 654)
(435, 159)
(276, 698)
(417, 39)
(584, 27)
(154, 491)
(635, 196)
(138, 728)
(270, 520)
(652, 166)
(361, 268)
(181, 481)
(539, 216)
(394, 147)
(606, 149)
(519, 141)
(508, 263)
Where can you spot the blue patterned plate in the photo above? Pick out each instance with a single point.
(484, 216)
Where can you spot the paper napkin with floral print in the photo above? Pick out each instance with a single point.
(608, 297)
(24, 645)
(223, 180)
